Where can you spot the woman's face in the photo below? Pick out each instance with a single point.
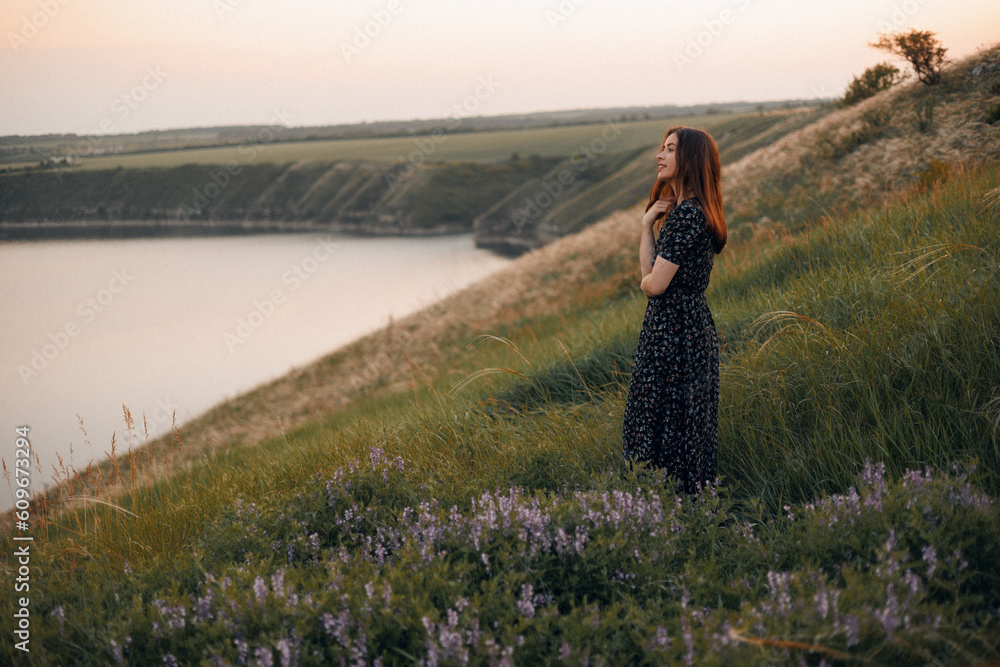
(666, 160)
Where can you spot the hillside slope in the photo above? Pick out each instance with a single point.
(868, 152)
(485, 516)
(586, 188)
(573, 271)
(451, 489)
(321, 195)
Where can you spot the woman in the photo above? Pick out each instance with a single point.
(672, 409)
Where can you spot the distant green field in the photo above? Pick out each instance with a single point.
(472, 146)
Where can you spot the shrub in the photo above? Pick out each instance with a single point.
(874, 79)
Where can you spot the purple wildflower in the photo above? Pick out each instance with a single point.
(115, 651)
(853, 627)
(930, 557)
(203, 610)
(788, 511)
(264, 657)
(260, 590)
(746, 531)
(581, 539)
(778, 583)
(289, 654)
(888, 561)
(338, 627)
(60, 616)
(174, 616)
(278, 583)
(822, 603)
(524, 604)
(889, 615)
(242, 651)
(873, 482)
(686, 630)
(968, 498)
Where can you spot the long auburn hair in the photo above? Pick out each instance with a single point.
(699, 175)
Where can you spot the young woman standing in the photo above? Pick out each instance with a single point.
(672, 409)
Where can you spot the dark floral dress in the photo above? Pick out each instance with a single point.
(672, 409)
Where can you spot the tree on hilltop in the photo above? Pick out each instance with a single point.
(874, 79)
(921, 48)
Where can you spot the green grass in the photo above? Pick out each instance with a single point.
(872, 336)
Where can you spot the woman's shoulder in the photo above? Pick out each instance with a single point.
(690, 204)
(689, 209)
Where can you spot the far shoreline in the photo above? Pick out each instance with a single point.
(127, 229)
(107, 230)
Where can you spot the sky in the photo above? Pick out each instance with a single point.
(119, 66)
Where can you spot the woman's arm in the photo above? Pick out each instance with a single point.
(647, 250)
(686, 230)
(659, 278)
(647, 246)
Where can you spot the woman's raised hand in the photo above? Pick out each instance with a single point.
(659, 207)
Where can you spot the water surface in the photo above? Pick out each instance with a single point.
(177, 325)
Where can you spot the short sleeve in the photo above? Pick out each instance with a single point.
(682, 233)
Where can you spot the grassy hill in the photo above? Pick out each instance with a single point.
(451, 489)
(865, 153)
(484, 511)
(589, 186)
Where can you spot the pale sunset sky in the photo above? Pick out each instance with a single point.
(114, 66)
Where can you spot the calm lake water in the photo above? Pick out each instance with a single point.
(164, 325)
